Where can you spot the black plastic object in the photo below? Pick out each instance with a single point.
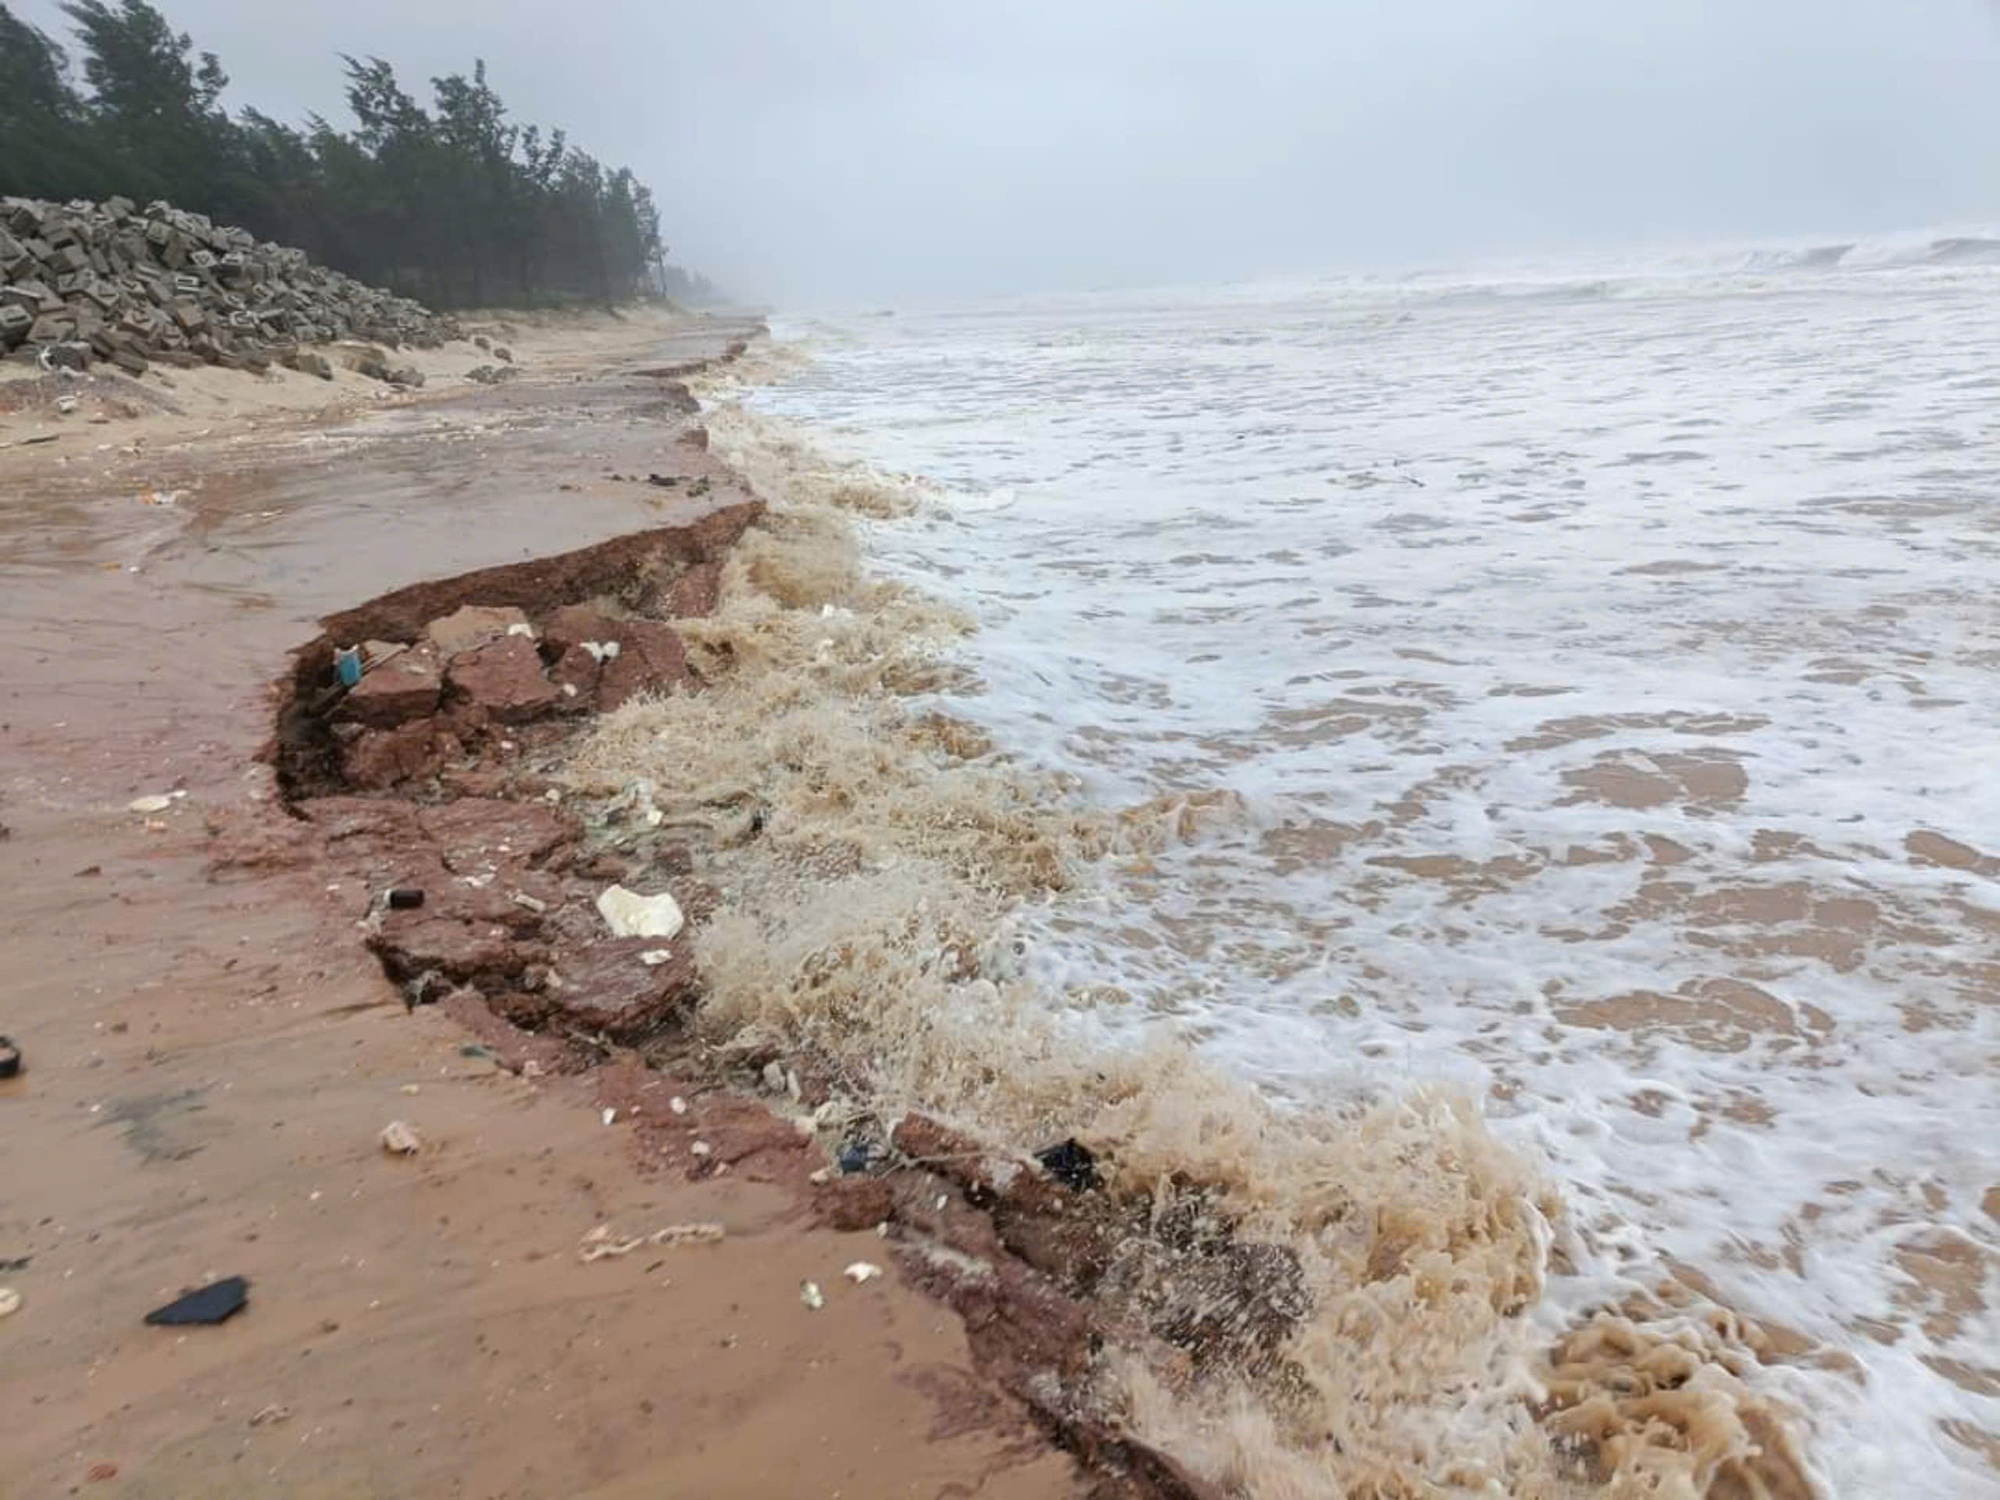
(1072, 1163)
(10, 1057)
(212, 1304)
(405, 898)
(855, 1157)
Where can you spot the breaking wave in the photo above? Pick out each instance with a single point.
(874, 854)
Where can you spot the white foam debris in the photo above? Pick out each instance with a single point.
(605, 1243)
(629, 914)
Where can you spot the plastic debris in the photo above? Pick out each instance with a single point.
(652, 958)
(701, 1149)
(405, 898)
(605, 1243)
(678, 1105)
(10, 1302)
(855, 1156)
(270, 1416)
(811, 1295)
(10, 1057)
(347, 662)
(862, 1272)
(400, 1139)
(155, 804)
(610, 1116)
(629, 914)
(215, 1303)
(1071, 1163)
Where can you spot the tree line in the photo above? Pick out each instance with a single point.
(454, 204)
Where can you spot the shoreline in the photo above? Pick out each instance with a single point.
(1017, 1256)
(210, 1054)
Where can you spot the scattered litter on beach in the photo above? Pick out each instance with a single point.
(399, 1138)
(215, 1303)
(1071, 1163)
(158, 803)
(10, 1302)
(605, 1243)
(629, 914)
(862, 1272)
(811, 1295)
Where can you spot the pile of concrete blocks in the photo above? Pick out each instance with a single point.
(85, 282)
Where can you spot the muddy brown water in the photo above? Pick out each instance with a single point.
(209, 1059)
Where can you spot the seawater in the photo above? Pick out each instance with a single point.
(1608, 661)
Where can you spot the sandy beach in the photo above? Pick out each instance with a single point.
(211, 1054)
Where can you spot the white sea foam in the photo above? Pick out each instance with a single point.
(1600, 670)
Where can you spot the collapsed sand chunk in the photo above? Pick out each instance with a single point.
(504, 679)
(474, 625)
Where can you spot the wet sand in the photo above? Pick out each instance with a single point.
(210, 1055)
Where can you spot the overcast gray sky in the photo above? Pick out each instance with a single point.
(835, 150)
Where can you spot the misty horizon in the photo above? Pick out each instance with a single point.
(807, 154)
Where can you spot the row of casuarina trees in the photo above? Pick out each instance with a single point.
(452, 204)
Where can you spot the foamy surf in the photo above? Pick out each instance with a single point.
(1609, 682)
(884, 867)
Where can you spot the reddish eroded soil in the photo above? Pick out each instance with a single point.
(425, 784)
(495, 875)
(211, 1051)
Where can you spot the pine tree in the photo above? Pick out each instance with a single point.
(454, 204)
